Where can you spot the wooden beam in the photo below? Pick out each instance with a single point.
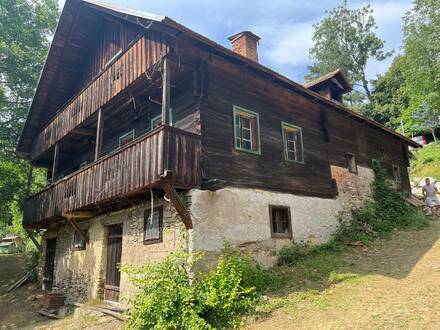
(76, 227)
(166, 91)
(29, 180)
(33, 239)
(79, 215)
(83, 131)
(99, 130)
(178, 204)
(55, 163)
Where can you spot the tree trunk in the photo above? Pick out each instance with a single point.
(433, 134)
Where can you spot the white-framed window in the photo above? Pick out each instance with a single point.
(157, 120)
(246, 130)
(126, 138)
(293, 143)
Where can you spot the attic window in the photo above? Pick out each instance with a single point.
(246, 130)
(335, 94)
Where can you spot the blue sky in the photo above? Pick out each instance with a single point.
(285, 26)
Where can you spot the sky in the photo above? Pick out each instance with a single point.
(285, 26)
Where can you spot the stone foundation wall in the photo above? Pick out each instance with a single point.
(80, 274)
(241, 216)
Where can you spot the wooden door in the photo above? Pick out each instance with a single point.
(113, 275)
(49, 264)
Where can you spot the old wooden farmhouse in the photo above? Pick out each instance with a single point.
(156, 138)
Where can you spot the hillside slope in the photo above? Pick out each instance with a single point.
(426, 162)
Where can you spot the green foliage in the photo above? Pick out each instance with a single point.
(426, 162)
(390, 96)
(171, 299)
(25, 31)
(345, 39)
(381, 216)
(32, 260)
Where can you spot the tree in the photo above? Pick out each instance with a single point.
(390, 95)
(26, 27)
(422, 63)
(345, 39)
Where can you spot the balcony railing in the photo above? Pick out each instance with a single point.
(126, 171)
(129, 66)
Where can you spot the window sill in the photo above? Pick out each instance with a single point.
(282, 236)
(152, 241)
(257, 152)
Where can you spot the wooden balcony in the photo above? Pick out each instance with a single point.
(139, 58)
(125, 173)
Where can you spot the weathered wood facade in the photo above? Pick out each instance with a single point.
(173, 92)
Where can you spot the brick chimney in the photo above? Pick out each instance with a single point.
(245, 43)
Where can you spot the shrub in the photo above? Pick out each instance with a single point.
(170, 299)
(167, 300)
(292, 254)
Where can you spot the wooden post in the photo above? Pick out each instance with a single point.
(55, 163)
(99, 128)
(29, 180)
(166, 92)
(33, 239)
(178, 204)
(76, 227)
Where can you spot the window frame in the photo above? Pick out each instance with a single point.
(285, 125)
(146, 214)
(347, 158)
(236, 111)
(152, 120)
(275, 235)
(124, 136)
(76, 234)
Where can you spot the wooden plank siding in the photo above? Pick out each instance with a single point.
(127, 68)
(126, 171)
(328, 135)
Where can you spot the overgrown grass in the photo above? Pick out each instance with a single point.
(426, 162)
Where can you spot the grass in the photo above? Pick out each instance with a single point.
(375, 285)
(426, 162)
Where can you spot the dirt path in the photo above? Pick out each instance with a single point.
(396, 285)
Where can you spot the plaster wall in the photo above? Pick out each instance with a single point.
(241, 216)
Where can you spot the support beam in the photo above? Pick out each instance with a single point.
(99, 129)
(76, 227)
(84, 131)
(178, 204)
(29, 179)
(166, 91)
(55, 163)
(33, 239)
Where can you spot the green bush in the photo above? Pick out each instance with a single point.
(292, 254)
(380, 217)
(170, 298)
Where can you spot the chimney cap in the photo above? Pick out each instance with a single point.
(240, 34)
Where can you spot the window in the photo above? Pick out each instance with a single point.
(157, 121)
(83, 164)
(396, 175)
(153, 226)
(293, 145)
(280, 224)
(126, 138)
(246, 130)
(79, 243)
(351, 162)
